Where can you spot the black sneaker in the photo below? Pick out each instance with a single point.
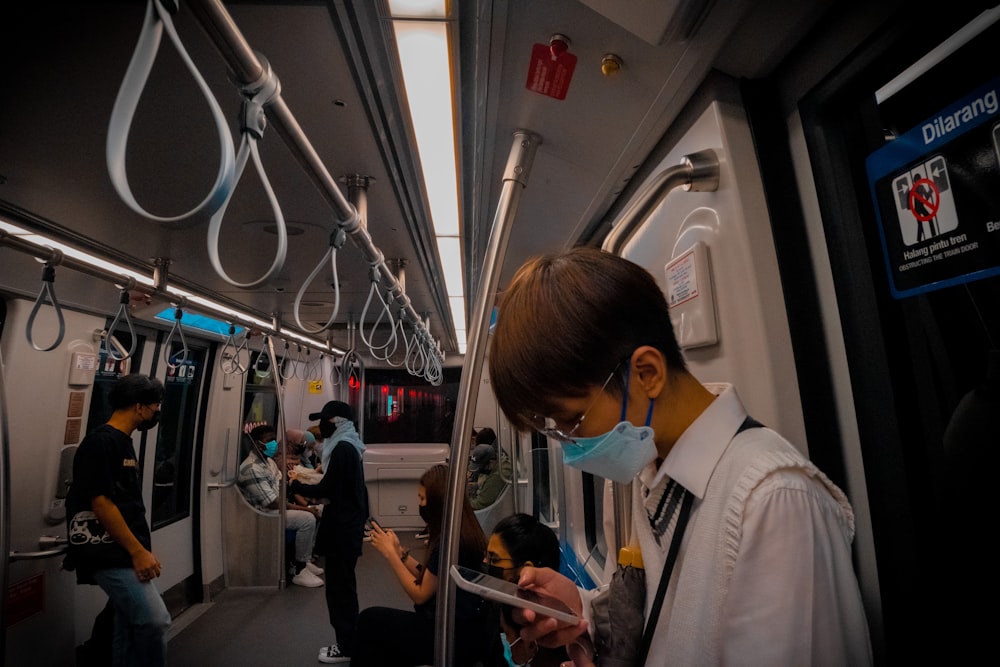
(331, 654)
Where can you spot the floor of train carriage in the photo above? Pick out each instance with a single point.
(253, 626)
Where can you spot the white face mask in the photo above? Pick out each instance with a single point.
(617, 455)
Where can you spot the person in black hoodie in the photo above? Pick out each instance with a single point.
(341, 526)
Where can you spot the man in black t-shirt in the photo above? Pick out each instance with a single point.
(109, 537)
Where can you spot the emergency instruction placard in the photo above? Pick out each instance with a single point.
(937, 196)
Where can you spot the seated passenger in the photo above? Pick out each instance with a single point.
(486, 483)
(488, 436)
(397, 637)
(258, 480)
(517, 541)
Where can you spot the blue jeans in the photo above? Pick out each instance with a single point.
(141, 618)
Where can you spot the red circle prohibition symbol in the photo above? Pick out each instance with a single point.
(930, 206)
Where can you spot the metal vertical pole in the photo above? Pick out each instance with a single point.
(515, 178)
(282, 478)
(4, 509)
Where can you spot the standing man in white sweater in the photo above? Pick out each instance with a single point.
(761, 572)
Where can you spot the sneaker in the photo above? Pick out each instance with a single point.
(307, 579)
(331, 654)
(315, 569)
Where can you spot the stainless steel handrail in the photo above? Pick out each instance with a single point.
(248, 70)
(226, 483)
(51, 545)
(4, 506)
(522, 154)
(697, 172)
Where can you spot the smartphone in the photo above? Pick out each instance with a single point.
(507, 593)
(373, 522)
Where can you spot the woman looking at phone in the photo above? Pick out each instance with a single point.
(412, 639)
(517, 541)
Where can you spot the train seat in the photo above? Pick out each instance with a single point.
(501, 508)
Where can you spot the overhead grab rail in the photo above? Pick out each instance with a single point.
(113, 344)
(157, 285)
(48, 290)
(246, 68)
(697, 172)
(226, 483)
(157, 20)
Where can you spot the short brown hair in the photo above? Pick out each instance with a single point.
(566, 321)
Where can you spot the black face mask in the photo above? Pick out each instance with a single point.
(496, 571)
(147, 424)
(326, 428)
(424, 513)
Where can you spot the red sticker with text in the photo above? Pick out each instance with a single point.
(550, 75)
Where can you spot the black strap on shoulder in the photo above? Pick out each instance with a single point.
(668, 565)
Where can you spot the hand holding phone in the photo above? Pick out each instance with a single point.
(507, 593)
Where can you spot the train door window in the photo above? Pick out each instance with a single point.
(907, 181)
(109, 370)
(175, 440)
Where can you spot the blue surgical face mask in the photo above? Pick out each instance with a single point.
(270, 448)
(617, 455)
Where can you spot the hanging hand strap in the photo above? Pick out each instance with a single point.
(158, 19)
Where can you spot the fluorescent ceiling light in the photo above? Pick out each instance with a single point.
(187, 319)
(417, 9)
(425, 62)
(458, 312)
(450, 251)
(423, 55)
(73, 253)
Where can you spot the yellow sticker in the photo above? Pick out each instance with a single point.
(315, 386)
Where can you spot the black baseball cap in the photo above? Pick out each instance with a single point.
(333, 409)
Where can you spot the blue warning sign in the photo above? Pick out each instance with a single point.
(934, 190)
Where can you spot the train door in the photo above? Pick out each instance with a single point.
(169, 459)
(906, 161)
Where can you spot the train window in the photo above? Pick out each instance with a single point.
(402, 408)
(175, 439)
(260, 401)
(543, 500)
(593, 517)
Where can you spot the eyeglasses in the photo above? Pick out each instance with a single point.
(548, 427)
(495, 561)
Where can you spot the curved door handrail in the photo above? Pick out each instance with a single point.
(697, 172)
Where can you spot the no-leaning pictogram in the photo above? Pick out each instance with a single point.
(925, 200)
